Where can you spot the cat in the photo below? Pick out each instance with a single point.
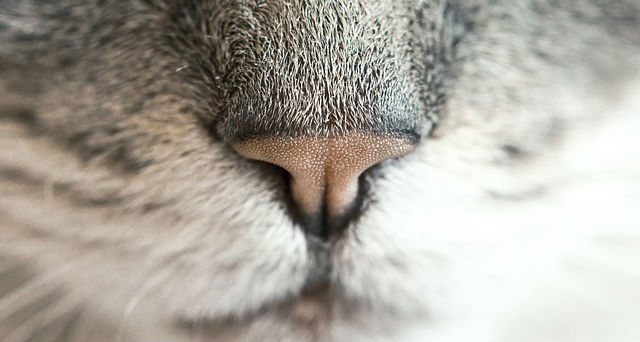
(319, 170)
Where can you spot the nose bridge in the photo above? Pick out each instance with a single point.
(324, 170)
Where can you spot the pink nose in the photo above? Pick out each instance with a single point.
(324, 170)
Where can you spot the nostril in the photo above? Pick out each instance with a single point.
(324, 171)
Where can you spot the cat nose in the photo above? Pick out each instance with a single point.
(324, 171)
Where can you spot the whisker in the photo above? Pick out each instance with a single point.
(34, 289)
(134, 301)
(41, 319)
(64, 331)
(7, 263)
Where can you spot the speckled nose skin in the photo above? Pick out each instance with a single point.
(324, 171)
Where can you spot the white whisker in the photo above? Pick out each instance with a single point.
(32, 290)
(7, 263)
(47, 315)
(134, 301)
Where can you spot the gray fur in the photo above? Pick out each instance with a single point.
(120, 195)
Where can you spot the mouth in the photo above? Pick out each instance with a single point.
(310, 312)
(310, 309)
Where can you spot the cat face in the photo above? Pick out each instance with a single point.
(145, 122)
